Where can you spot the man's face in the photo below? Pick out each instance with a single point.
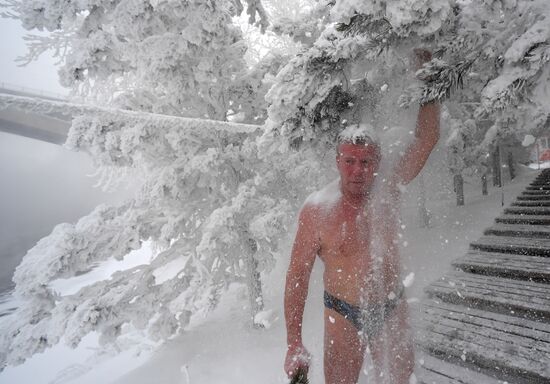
(357, 164)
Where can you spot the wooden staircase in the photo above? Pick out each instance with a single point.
(488, 321)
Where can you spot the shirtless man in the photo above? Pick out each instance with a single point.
(364, 299)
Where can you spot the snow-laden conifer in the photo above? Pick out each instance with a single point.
(214, 194)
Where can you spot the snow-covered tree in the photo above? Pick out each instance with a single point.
(490, 65)
(506, 46)
(215, 195)
(171, 57)
(199, 192)
(201, 202)
(491, 53)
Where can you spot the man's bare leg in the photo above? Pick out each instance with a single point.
(392, 350)
(344, 350)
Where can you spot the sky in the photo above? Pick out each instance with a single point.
(38, 75)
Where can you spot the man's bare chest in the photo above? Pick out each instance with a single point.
(344, 236)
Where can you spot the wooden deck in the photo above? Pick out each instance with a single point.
(519, 230)
(524, 219)
(513, 244)
(488, 320)
(509, 265)
(481, 338)
(435, 371)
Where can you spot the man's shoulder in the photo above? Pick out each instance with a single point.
(326, 197)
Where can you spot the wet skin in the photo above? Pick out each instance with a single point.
(339, 235)
(341, 240)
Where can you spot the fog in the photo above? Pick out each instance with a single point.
(40, 74)
(41, 185)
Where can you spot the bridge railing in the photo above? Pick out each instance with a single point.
(53, 118)
(28, 91)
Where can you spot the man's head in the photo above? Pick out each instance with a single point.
(357, 158)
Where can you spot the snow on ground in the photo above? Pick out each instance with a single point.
(224, 348)
(541, 165)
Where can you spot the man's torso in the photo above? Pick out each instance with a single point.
(354, 271)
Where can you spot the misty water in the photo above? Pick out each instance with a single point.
(43, 185)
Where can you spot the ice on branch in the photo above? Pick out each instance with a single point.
(440, 80)
(206, 200)
(170, 57)
(314, 94)
(217, 198)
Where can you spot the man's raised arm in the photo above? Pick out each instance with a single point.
(304, 251)
(426, 133)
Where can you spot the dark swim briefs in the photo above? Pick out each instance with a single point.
(370, 318)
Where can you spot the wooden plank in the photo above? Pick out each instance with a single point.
(431, 370)
(528, 210)
(519, 230)
(523, 219)
(540, 181)
(530, 343)
(513, 244)
(533, 334)
(523, 298)
(533, 198)
(543, 193)
(508, 346)
(532, 268)
(527, 203)
(538, 187)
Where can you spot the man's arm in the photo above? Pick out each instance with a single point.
(426, 133)
(304, 251)
(426, 137)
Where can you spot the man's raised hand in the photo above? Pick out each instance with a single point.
(420, 57)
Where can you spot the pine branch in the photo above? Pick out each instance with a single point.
(365, 25)
(511, 95)
(379, 31)
(440, 79)
(325, 64)
(337, 101)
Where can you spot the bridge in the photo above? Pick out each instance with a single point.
(50, 127)
(48, 118)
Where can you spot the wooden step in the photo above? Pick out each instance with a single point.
(431, 370)
(513, 244)
(536, 193)
(523, 219)
(496, 294)
(531, 203)
(528, 210)
(519, 230)
(533, 268)
(544, 187)
(511, 348)
(533, 198)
